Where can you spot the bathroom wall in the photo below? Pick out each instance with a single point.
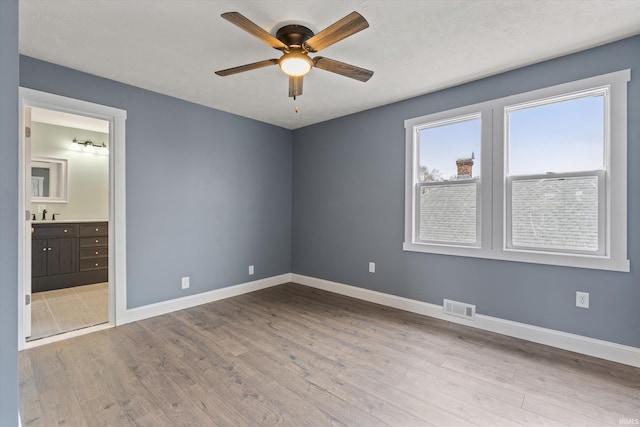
(88, 174)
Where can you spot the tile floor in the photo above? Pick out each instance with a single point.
(65, 310)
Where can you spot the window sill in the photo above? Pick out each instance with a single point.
(563, 260)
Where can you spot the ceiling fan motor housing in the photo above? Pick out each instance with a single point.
(294, 35)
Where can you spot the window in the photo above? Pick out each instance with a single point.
(556, 173)
(447, 210)
(536, 177)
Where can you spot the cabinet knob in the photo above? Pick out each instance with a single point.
(97, 241)
(96, 264)
(97, 229)
(65, 230)
(44, 249)
(48, 249)
(96, 252)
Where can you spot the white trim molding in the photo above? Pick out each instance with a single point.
(164, 307)
(117, 195)
(492, 206)
(584, 345)
(589, 346)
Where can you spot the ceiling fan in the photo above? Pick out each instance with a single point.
(296, 42)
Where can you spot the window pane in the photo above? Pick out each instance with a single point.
(565, 136)
(41, 176)
(450, 151)
(448, 213)
(558, 214)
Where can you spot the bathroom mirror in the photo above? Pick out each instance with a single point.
(48, 180)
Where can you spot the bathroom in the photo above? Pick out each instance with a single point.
(69, 222)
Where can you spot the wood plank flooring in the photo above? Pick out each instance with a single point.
(296, 356)
(64, 310)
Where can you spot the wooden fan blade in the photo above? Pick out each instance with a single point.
(253, 29)
(347, 26)
(247, 67)
(342, 68)
(295, 86)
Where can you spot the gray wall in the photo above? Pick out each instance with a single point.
(348, 209)
(208, 193)
(8, 213)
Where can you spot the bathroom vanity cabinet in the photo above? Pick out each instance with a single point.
(68, 254)
(53, 250)
(94, 246)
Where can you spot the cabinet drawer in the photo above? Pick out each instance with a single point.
(94, 229)
(94, 264)
(96, 252)
(45, 231)
(90, 242)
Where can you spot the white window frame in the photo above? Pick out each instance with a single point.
(474, 115)
(493, 185)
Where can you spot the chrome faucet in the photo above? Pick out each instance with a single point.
(44, 214)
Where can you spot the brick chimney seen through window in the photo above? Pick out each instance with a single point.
(465, 167)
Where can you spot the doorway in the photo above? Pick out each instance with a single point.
(69, 221)
(72, 265)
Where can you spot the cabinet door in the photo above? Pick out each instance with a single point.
(38, 258)
(62, 256)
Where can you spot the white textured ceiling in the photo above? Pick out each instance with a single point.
(414, 47)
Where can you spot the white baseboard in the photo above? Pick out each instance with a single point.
(589, 346)
(164, 307)
(592, 347)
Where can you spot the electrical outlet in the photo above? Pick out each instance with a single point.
(372, 267)
(250, 270)
(582, 299)
(185, 282)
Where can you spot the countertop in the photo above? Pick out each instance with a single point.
(67, 221)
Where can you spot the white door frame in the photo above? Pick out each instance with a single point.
(117, 198)
(25, 151)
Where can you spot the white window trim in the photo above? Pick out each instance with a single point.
(493, 185)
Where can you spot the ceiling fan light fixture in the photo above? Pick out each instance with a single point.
(295, 63)
(296, 42)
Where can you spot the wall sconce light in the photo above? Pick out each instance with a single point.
(88, 146)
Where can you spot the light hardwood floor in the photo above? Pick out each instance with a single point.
(65, 310)
(295, 356)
